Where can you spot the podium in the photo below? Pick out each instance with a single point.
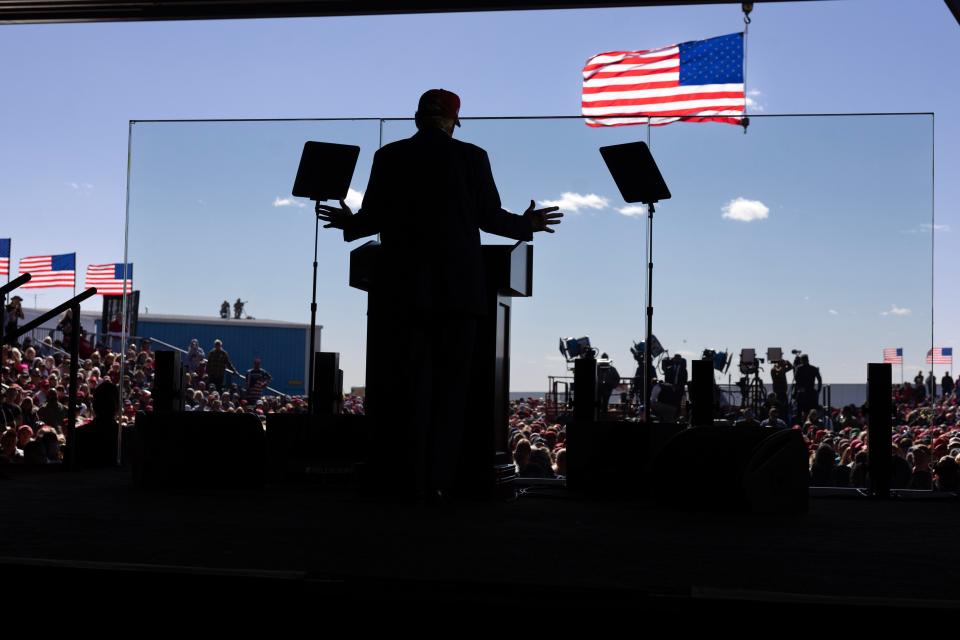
(485, 465)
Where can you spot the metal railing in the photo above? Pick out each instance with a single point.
(625, 398)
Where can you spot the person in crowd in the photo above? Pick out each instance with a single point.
(608, 379)
(46, 348)
(561, 463)
(13, 314)
(778, 375)
(258, 379)
(922, 477)
(946, 384)
(29, 412)
(218, 361)
(195, 356)
(823, 467)
(115, 332)
(10, 453)
(65, 327)
(11, 415)
(773, 420)
(946, 475)
(931, 386)
(97, 439)
(52, 413)
(521, 455)
(807, 385)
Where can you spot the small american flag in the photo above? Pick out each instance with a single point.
(4, 256)
(50, 271)
(893, 355)
(109, 278)
(940, 355)
(698, 81)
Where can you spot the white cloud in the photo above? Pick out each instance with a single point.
(80, 186)
(752, 103)
(744, 210)
(354, 199)
(896, 311)
(573, 202)
(287, 202)
(833, 312)
(633, 210)
(935, 227)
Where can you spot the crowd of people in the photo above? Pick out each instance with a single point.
(925, 443)
(35, 386)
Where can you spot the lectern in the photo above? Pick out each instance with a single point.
(485, 462)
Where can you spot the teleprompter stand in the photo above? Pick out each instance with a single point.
(638, 179)
(324, 174)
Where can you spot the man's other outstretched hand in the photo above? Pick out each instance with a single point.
(542, 219)
(335, 217)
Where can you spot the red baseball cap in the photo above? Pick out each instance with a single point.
(440, 102)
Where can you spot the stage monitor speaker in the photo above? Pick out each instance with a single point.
(701, 393)
(880, 428)
(168, 382)
(199, 450)
(777, 478)
(327, 383)
(299, 444)
(595, 464)
(733, 469)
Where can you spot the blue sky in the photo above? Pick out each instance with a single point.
(852, 194)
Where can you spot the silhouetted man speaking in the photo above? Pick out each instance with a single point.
(429, 196)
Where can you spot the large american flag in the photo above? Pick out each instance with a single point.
(109, 278)
(893, 355)
(697, 81)
(940, 355)
(4, 256)
(50, 271)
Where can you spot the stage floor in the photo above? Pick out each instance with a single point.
(902, 553)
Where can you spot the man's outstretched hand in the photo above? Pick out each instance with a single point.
(335, 217)
(542, 219)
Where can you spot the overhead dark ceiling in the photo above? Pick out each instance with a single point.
(39, 11)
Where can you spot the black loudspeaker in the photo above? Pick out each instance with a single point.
(879, 428)
(330, 446)
(701, 393)
(327, 383)
(597, 464)
(199, 450)
(168, 382)
(733, 469)
(585, 390)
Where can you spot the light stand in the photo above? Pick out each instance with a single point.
(324, 173)
(638, 179)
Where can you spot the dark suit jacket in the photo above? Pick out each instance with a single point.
(429, 196)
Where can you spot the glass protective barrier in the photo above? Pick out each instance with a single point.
(806, 233)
